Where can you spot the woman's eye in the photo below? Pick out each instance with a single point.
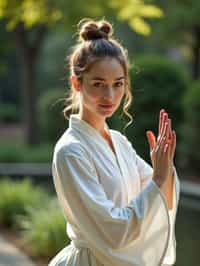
(119, 84)
(97, 84)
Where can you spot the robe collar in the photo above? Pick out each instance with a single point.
(75, 122)
(85, 128)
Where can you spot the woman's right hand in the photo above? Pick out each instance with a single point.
(162, 150)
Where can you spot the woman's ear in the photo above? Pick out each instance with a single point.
(75, 83)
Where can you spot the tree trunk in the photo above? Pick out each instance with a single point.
(29, 100)
(196, 53)
(28, 55)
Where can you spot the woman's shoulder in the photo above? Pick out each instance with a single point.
(69, 144)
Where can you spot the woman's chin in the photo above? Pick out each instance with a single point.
(106, 113)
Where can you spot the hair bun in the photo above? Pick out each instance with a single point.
(92, 30)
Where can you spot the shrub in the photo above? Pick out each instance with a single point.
(156, 83)
(9, 113)
(52, 122)
(15, 196)
(190, 130)
(44, 229)
(19, 152)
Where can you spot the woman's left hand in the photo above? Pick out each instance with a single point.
(171, 138)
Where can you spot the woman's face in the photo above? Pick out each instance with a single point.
(103, 87)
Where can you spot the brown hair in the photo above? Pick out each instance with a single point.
(95, 42)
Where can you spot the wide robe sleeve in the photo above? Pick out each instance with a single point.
(146, 173)
(133, 235)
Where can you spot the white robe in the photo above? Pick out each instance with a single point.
(116, 214)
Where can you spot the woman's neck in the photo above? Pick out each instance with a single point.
(97, 123)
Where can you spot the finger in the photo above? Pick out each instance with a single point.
(162, 147)
(173, 144)
(160, 143)
(159, 147)
(166, 148)
(167, 129)
(171, 138)
(168, 152)
(163, 134)
(165, 115)
(151, 139)
(170, 128)
(161, 120)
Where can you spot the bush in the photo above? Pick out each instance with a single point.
(44, 229)
(52, 122)
(9, 113)
(156, 84)
(18, 152)
(15, 196)
(190, 130)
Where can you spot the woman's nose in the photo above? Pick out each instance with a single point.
(108, 93)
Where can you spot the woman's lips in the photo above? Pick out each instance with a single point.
(106, 106)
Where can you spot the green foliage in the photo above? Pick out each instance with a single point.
(156, 84)
(9, 113)
(190, 129)
(183, 14)
(44, 229)
(52, 121)
(32, 13)
(135, 12)
(15, 197)
(29, 12)
(180, 22)
(46, 12)
(18, 152)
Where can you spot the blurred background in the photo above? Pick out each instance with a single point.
(36, 36)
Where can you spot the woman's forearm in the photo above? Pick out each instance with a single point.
(167, 189)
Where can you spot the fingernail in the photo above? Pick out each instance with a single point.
(165, 115)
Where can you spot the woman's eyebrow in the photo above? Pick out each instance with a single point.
(102, 79)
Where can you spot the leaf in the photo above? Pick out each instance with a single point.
(140, 26)
(150, 11)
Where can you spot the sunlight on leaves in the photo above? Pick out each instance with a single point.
(140, 26)
(134, 12)
(48, 12)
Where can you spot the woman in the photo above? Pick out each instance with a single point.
(119, 210)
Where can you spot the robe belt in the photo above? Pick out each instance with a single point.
(83, 244)
(78, 243)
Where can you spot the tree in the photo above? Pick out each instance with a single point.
(30, 21)
(181, 24)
